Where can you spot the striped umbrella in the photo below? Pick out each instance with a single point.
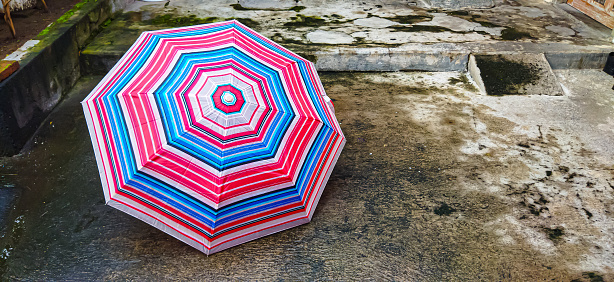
(213, 134)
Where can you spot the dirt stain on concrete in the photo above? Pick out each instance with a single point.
(513, 34)
(504, 77)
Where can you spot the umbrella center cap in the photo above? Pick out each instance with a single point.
(228, 98)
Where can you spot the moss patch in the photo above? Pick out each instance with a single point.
(4, 65)
(171, 20)
(512, 34)
(277, 37)
(297, 8)
(411, 19)
(419, 28)
(238, 7)
(444, 209)
(175, 21)
(504, 77)
(592, 276)
(554, 234)
(458, 13)
(72, 11)
(481, 21)
(464, 80)
(106, 23)
(246, 21)
(309, 57)
(65, 16)
(336, 19)
(302, 20)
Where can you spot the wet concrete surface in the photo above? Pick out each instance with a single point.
(436, 182)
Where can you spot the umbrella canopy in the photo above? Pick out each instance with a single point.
(213, 134)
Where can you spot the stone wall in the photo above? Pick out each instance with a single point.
(47, 73)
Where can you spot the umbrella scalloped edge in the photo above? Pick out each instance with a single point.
(213, 134)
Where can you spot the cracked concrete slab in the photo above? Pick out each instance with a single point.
(330, 33)
(561, 30)
(374, 22)
(329, 37)
(296, 19)
(460, 25)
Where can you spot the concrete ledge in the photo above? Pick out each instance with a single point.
(343, 60)
(390, 59)
(48, 71)
(577, 60)
(100, 56)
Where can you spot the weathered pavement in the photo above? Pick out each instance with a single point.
(387, 35)
(437, 182)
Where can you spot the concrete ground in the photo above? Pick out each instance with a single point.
(437, 182)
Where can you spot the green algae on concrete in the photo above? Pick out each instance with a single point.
(106, 23)
(444, 209)
(458, 13)
(590, 276)
(297, 8)
(464, 81)
(120, 33)
(334, 16)
(554, 234)
(65, 16)
(410, 19)
(302, 20)
(421, 28)
(309, 57)
(246, 21)
(172, 20)
(513, 34)
(336, 19)
(238, 7)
